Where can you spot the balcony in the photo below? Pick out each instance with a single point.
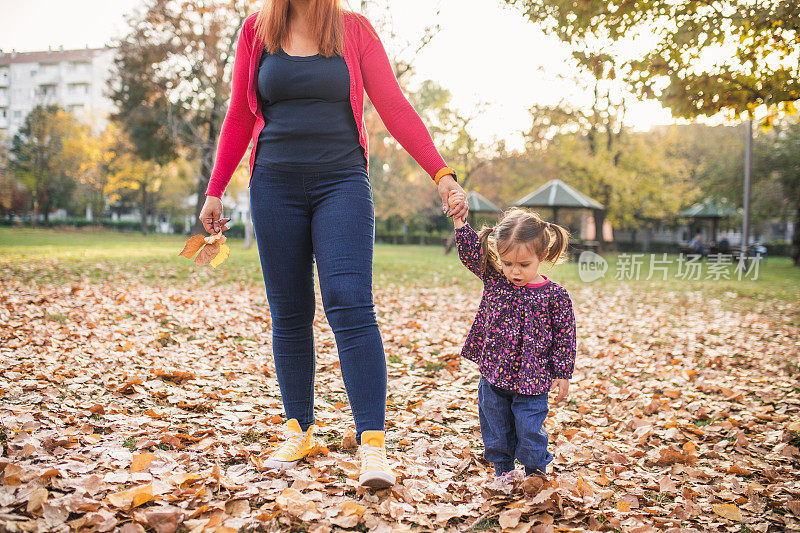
(47, 91)
(78, 93)
(49, 77)
(78, 72)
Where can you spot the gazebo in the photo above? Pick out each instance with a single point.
(479, 204)
(556, 195)
(710, 209)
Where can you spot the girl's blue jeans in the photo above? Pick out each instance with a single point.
(327, 217)
(512, 427)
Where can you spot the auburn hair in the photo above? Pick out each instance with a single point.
(526, 228)
(326, 21)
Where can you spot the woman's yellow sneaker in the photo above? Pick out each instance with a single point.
(296, 446)
(375, 472)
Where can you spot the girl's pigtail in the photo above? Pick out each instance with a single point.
(487, 253)
(557, 244)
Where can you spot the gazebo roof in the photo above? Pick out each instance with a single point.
(709, 208)
(479, 204)
(556, 193)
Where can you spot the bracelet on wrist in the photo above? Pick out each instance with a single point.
(444, 172)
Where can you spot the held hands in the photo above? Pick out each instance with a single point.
(447, 185)
(210, 215)
(454, 200)
(562, 385)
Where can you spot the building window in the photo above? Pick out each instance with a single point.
(3, 113)
(78, 66)
(34, 72)
(18, 114)
(79, 89)
(47, 90)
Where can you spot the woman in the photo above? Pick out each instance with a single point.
(299, 76)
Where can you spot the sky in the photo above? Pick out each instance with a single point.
(484, 52)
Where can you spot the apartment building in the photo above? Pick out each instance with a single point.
(75, 79)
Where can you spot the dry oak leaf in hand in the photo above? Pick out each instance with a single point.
(212, 249)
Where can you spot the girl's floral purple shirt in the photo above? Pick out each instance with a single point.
(522, 337)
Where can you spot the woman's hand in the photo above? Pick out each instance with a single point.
(446, 185)
(210, 215)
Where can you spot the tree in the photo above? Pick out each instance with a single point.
(130, 172)
(777, 161)
(38, 159)
(93, 154)
(700, 57)
(172, 80)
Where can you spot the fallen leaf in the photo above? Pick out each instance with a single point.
(728, 510)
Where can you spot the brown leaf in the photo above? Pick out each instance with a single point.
(510, 518)
(164, 519)
(192, 246)
(208, 253)
(794, 507)
(349, 441)
(36, 499)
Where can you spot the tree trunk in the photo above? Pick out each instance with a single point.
(207, 165)
(599, 221)
(35, 219)
(44, 204)
(144, 209)
(795, 250)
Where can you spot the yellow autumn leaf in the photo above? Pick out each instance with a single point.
(728, 510)
(351, 507)
(141, 461)
(132, 497)
(223, 254)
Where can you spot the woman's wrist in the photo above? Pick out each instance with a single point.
(446, 171)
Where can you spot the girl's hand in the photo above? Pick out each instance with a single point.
(454, 200)
(447, 184)
(563, 389)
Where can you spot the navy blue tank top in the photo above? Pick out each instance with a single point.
(309, 124)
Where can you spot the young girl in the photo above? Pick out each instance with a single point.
(523, 336)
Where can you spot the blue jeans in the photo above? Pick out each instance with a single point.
(327, 218)
(512, 427)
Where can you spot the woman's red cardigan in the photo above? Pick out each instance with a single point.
(369, 69)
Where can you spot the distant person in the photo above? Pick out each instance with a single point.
(724, 246)
(522, 337)
(696, 244)
(299, 76)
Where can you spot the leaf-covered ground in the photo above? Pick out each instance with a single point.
(142, 407)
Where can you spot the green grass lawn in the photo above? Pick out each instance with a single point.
(58, 256)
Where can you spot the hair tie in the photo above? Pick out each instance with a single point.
(547, 224)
